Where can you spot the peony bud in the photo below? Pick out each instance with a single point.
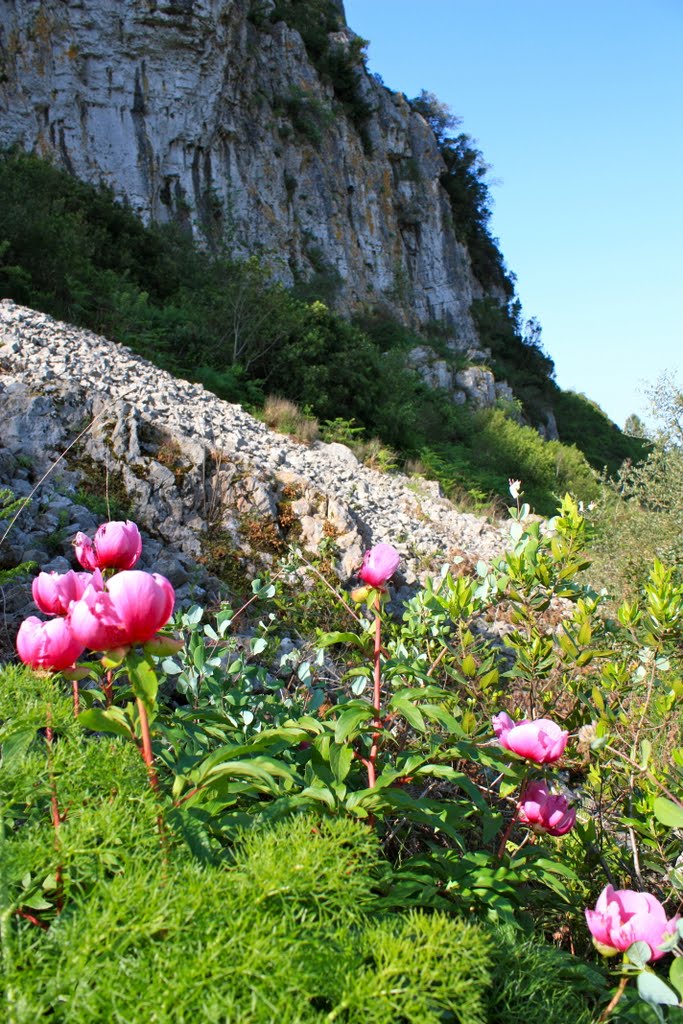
(95, 621)
(540, 740)
(143, 601)
(53, 592)
(622, 917)
(84, 551)
(545, 812)
(117, 545)
(132, 607)
(379, 565)
(51, 645)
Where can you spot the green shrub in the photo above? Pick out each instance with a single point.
(287, 929)
(583, 423)
(283, 415)
(534, 983)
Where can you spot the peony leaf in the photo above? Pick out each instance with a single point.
(639, 953)
(340, 760)
(676, 975)
(112, 720)
(653, 990)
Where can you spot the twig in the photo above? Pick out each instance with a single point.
(614, 1000)
(329, 586)
(54, 808)
(54, 465)
(647, 773)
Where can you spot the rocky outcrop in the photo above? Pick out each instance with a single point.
(211, 485)
(192, 110)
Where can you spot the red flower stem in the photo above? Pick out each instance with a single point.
(54, 806)
(376, 697)
(511, 824)
(109, 688)
(614, 1000)
(148, 758)
(77, 698)
(146, 747)
(32, 918)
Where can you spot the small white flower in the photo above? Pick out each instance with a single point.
(514, 488)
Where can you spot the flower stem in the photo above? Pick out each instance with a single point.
(54, 807)
(6, 953)
(376, 697)
(77, 698)
(109, 688)
(614, 1000)
(511, 824)
(146, 746)
(148, 758)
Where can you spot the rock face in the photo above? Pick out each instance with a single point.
(193, 110)
(207, 481)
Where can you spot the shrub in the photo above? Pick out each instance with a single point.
(283, 415)
(289, 929)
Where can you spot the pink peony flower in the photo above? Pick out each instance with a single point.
(379, 565)
(95, 621)
(144, 602)
(541, 741)
(50, 645)
(545, 812)
(53, 592)
(622, 917)
(129, 610)
(85, 552)
(115, 546)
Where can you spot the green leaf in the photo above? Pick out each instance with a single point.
(350, 719)
(676, 975)
(112, 720)
(15, 745)
(341, 757)
(143, 679)
(438, 714)
(469, 666)
(410, 712)
(585, 634)
(645, 753)
(668, 813)
(639, 953)
(37, 903)
(322, 794)
(327, 639)
(653, 990)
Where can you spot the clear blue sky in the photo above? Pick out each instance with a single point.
(577, 105)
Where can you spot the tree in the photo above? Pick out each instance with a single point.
(438, 115)
(666, 405)
(634, 426)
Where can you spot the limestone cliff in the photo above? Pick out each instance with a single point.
(201, 111)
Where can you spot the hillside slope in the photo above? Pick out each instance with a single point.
(193, 467)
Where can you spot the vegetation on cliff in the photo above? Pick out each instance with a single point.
(71, 250)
